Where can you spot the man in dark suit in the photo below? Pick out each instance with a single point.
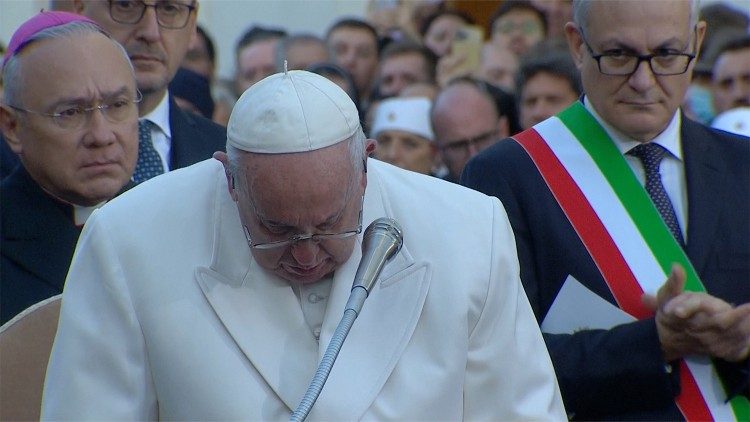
(636, 60)
(77, 138)
(156, 37)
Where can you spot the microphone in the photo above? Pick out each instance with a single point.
(382, 240)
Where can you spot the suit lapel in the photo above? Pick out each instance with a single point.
(259, 311)
(707, 188)
(183, 150)
(37, 234)
(382, 330)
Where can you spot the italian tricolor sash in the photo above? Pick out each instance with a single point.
(625, 235)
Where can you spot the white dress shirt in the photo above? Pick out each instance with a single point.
(161, 134)
(672, 167)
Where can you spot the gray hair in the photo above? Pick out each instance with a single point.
(356, 154)
(581, 12)
(12, 69)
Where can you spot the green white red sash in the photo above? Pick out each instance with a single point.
(625, 235)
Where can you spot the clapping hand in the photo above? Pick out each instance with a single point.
(690, 323)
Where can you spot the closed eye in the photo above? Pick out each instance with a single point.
(70, 112)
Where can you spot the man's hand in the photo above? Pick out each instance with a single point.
(697, 323)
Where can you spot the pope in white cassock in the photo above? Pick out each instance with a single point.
(211, 292)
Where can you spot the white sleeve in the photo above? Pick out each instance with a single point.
(98, 368)
(509, 374)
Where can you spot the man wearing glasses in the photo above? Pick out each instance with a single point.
(76, 136)
(219, 303)
(633, 225)
(156, 36)
(466, 119)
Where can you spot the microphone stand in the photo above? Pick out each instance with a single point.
(353, 306)
(383, 238)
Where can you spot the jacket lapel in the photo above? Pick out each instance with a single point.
(380, 333)
(706, 191)
(259, 311)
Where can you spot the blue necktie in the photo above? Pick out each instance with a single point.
(651, 155)
(149, 162)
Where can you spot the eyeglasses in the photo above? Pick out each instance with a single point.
(479, 142)
(316, 237)
(623, 63)
(169, 14)
(70, 117)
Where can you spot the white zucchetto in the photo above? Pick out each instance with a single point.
(293, 111)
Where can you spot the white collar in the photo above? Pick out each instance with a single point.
(669, 138)
(160, 115)
(81, 213)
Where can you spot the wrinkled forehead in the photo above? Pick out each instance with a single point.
(323, 174)
(82, 63)
(653, 22)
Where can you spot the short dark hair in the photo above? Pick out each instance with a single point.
(356, 24)
(258, 33)
(734, 44)
(210, 48)
(557, 62)
(399, 48)
(510, 5)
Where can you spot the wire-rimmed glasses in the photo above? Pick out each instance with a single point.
(462, 147)
(313, 237)
(71, 116)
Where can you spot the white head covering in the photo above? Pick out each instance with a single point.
(294, 111)
(408, 114)
(736, 120)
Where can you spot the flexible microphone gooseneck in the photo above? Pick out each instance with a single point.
(382, 240)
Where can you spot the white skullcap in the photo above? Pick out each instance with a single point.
(408, 114)
(736, 120)
(295, 111)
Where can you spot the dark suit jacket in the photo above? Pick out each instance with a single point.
(38, 239)
(619, 373)
(8, 159)
(38, 234)
(194, 138)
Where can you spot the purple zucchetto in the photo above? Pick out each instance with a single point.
(38, 23)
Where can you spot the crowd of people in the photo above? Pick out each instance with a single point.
(572, 187)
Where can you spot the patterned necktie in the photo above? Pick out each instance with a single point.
(651, 155)
(149, 162)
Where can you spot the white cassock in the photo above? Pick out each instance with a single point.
(165, 315)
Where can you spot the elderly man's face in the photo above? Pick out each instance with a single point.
(156, 52)
(642, 104)
(83, 165)
(283, 195)
(465, 122)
